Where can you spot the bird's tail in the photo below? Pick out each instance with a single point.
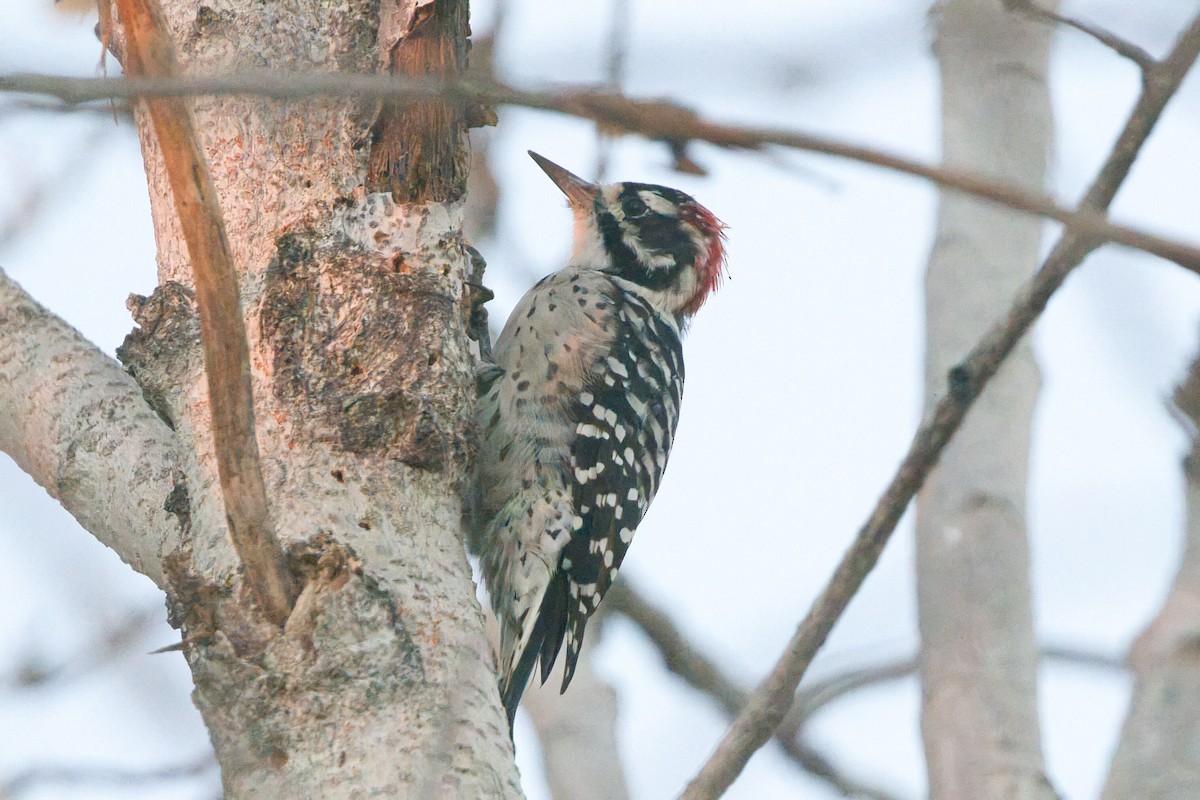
(523, 642)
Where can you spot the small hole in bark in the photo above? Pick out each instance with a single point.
(433, 358)
(366, 526)
(400, 265)
(338, 476)
(341, 758)
(355, 369)
(307, 184)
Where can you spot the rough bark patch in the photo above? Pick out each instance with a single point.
(357, 346)
(343, 655)
(165, 346)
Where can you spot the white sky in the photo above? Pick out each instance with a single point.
(803, 379)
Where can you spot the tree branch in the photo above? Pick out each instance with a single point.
(30, 779)
(222, 332)
(76, 423)
(674, 125)
(1122, 47)
(694, 667)
(772, 698)
(105, 648)
(699, 671)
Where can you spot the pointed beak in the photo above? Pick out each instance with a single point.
(579, 192)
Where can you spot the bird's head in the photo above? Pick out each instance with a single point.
(658, 238)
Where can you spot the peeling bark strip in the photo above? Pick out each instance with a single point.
(226, 353)
(418, 149)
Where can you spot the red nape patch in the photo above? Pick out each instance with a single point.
(710, 266)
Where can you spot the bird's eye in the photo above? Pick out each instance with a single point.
(633, 207)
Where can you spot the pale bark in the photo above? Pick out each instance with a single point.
(978, 650)
(76, 423)
(1158, 754)
(381, 683)
(577, 731)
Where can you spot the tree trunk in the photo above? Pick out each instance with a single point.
(978, 651)
(355, 306)
(1158, 754)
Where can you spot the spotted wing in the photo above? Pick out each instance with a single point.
(626, 418)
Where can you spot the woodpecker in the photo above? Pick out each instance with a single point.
(577, 416)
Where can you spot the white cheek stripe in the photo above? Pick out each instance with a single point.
(657, 202)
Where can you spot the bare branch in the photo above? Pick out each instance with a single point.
(102, 650)
(222, 332)
(37, 777)
(700, 672)
(979, 723)
(672, 124)
(686, 660)
(76, 423)
(1122, 47)
(614, 77)
(822, 692)
(772, 698)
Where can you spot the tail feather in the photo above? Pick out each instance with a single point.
(544, 641)
(574, 636)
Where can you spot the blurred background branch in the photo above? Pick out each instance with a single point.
(687, 660)
(80, 778)
(668, 122)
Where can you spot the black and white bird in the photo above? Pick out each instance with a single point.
(577, 420)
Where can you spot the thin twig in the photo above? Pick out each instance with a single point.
(222, 331)
(1120, 46)
(824, 691)
(771, 700)
(658, 120)
(614, 77)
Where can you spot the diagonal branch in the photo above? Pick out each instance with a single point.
(76, 423)
(222, 331)
(771, 700)
(672, 124)
(1120, 46)
(700, 672)
(694, 667)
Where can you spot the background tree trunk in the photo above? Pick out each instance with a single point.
(978, 651)
(1158, 754)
